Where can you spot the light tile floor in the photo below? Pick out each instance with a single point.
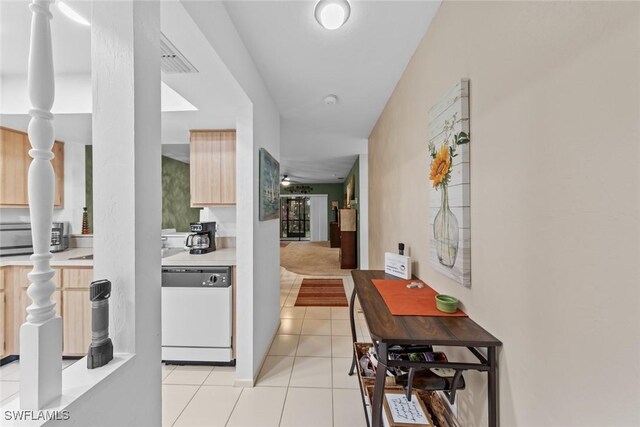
(303, 381)
(10, 379)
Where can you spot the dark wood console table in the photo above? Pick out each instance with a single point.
(387, 329)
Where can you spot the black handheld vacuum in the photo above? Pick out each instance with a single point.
(101, 348)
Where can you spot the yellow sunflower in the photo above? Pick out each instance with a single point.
(440, 165)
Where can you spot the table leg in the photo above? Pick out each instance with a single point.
(492, 384)
(354, 336)
(378, 393)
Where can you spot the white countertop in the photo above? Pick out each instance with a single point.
(60, 259)
(220, 257)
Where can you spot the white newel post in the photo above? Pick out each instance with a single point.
(41, 335)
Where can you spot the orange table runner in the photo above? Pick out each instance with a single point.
(403, 301)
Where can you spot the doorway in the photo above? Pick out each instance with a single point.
(295, 218)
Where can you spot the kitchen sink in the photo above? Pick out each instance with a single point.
(88, 257)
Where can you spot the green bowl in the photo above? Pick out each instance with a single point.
(446, 303)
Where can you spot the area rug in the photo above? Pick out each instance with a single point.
(312, 259)
(321, 293)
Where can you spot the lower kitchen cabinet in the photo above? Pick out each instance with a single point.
(2, 311)
(76, 322)
(72, 304)
(76, 311)
(18, 315)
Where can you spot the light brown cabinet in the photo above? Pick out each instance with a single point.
(17, 300)
(14, 168)
(2, 312)
(76, 322)
(213, 167)
(76, 309)
(72, 304)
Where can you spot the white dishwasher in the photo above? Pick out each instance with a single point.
(197, 304)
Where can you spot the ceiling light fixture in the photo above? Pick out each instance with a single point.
(332, 14)
(72, 14)
(285, 180)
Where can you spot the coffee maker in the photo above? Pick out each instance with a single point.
(202, 239)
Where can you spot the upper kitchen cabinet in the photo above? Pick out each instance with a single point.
(14, 169)
(213, 167)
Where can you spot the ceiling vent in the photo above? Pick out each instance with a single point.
(173, 61)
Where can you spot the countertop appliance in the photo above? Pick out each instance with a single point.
(197, 304)
(59, 237)
(202, 239)
(15, 238)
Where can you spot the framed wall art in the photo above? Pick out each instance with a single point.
(268, 187)
(449, 221)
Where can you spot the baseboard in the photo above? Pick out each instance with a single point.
(264, 357)
(244, 383)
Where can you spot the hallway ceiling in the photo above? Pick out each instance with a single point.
(301, 63)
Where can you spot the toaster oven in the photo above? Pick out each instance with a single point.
(15, 238)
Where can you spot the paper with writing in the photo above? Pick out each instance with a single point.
(403, 411)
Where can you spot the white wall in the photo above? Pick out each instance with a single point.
(225, 218)
(127, 217)
(73, 94)
(555, 200)
(258, 126)
(363, 211)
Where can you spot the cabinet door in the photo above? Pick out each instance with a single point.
(76, 322)
(205, 168)
(77, 278)
(58, 169)
(16, 283)
(228, 167)
(14, 164)
(19, 316)
(14, 169)
(2, 312)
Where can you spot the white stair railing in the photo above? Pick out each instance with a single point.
(41, 335)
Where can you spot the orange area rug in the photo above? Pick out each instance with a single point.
(322, 293)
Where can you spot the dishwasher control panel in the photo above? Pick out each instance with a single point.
(196, 277)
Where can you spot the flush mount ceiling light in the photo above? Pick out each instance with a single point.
(332, 14)
(285, 180)
(72, 14)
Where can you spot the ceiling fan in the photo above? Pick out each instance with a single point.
(288, 180)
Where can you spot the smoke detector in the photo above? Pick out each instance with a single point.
(331, 100)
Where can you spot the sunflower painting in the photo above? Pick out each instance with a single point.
(448, 146)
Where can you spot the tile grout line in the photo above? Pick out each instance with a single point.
(234, 407)
(185, 406)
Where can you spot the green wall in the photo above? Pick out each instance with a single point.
(176, 193)
(176, 196)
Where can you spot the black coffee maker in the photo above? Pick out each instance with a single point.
(202, 239)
